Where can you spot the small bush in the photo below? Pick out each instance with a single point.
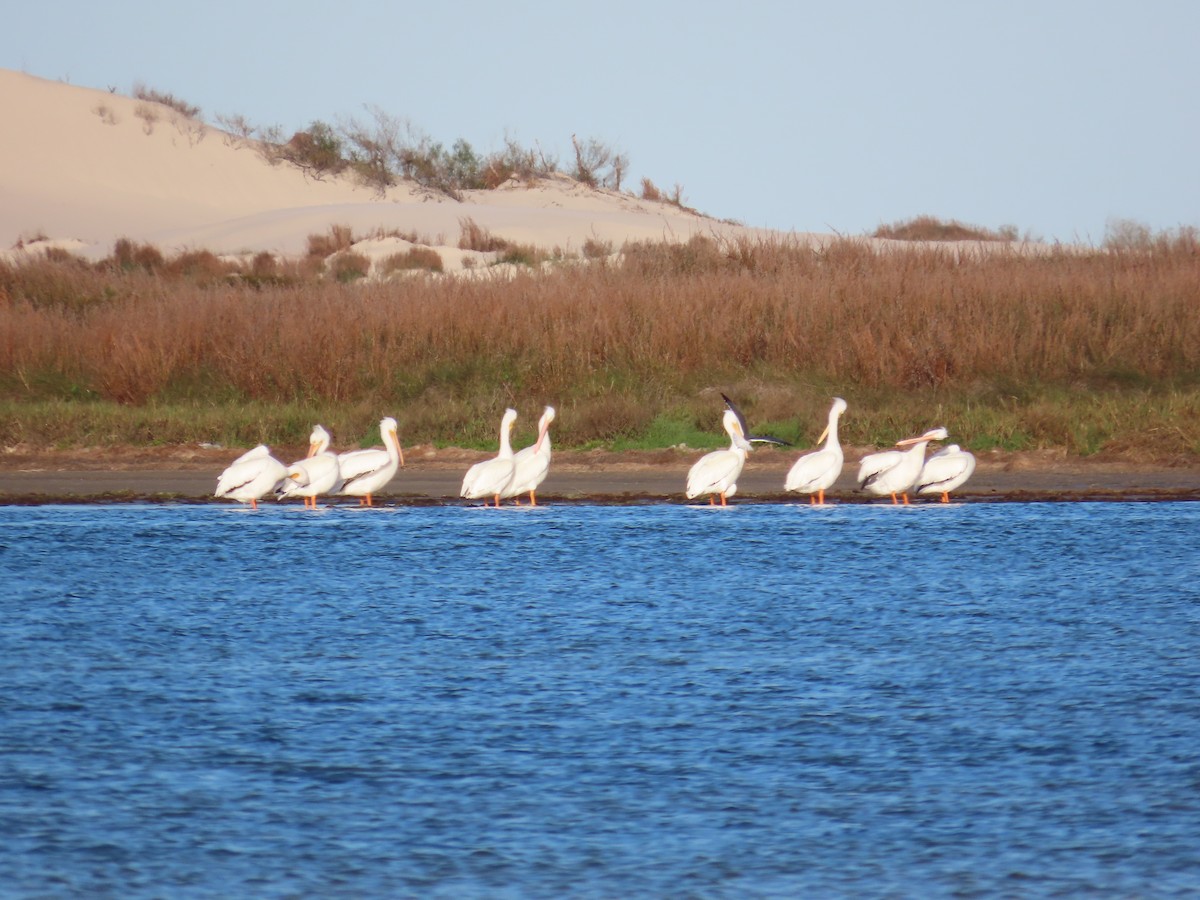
(264, 265)
(322, 246)
(597, 164)
(515, 161)
(651, 192)
(199, 265)
(187, 110)
(475, 237)
(698, 256)
(238, 129)
(128, 255)
(374, 150)
(317, 151)
(149, 116)
(522, 255)
(608, 417)
(349, 266)
(931, 228)
(416, 258)
(596, 249)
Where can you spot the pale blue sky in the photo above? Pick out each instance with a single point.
(1051, 115)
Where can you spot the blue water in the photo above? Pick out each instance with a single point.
(768, 700)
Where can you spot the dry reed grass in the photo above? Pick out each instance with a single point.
(907, 336)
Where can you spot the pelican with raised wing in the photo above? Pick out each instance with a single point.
(751, 438)
(946, 470)
(362, 473)
(813, 473)
(251, 476)
(716, 474)
(318, 473)
(896, 471)
(532, 464)
(492, 477)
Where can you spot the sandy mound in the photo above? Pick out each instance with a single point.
(81, 168)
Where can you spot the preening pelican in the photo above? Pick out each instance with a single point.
(946, 470)
(717, 473)
(492, 477)
(251, 476)
(896, 471)
(814, 472)
(532, 463)
(317, 473)
(363, 472)
(752, 438)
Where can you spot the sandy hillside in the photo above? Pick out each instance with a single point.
(85, 167)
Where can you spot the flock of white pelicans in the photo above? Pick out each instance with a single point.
(511, 475)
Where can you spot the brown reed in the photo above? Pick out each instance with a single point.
(618, 343)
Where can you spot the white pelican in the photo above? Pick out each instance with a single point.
(492, 477)
(532, 464)
(317, 473)
(251, 476)
(947, 469)
(717, 473)
(752, 438)
(363, 472)
(813, 472)
(896, 471)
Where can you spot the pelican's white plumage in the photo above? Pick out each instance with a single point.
(492, 477)
(251, 476)
(532, 464)
(814, 472)
(318, 473)
(896, 471)
(363, 472)
(716, 474)
(946, 470)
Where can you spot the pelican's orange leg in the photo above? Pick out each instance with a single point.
(821, 497)
(532, 499)
(905, 496)
(945, 496)
(723, 498)
(893, 499)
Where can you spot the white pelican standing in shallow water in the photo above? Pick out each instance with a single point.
(251, 476)
(716, 473)
(532, 464)
(813, 472)
(946, 470)
(363, 472)
(896, 471)
(492, 477)
(317, 473)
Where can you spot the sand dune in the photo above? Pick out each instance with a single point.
(84, 167)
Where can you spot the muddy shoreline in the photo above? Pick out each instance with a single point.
(433, 476)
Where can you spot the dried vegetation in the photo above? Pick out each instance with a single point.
(1087, 350)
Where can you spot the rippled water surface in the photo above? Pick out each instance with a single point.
(977, 699)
